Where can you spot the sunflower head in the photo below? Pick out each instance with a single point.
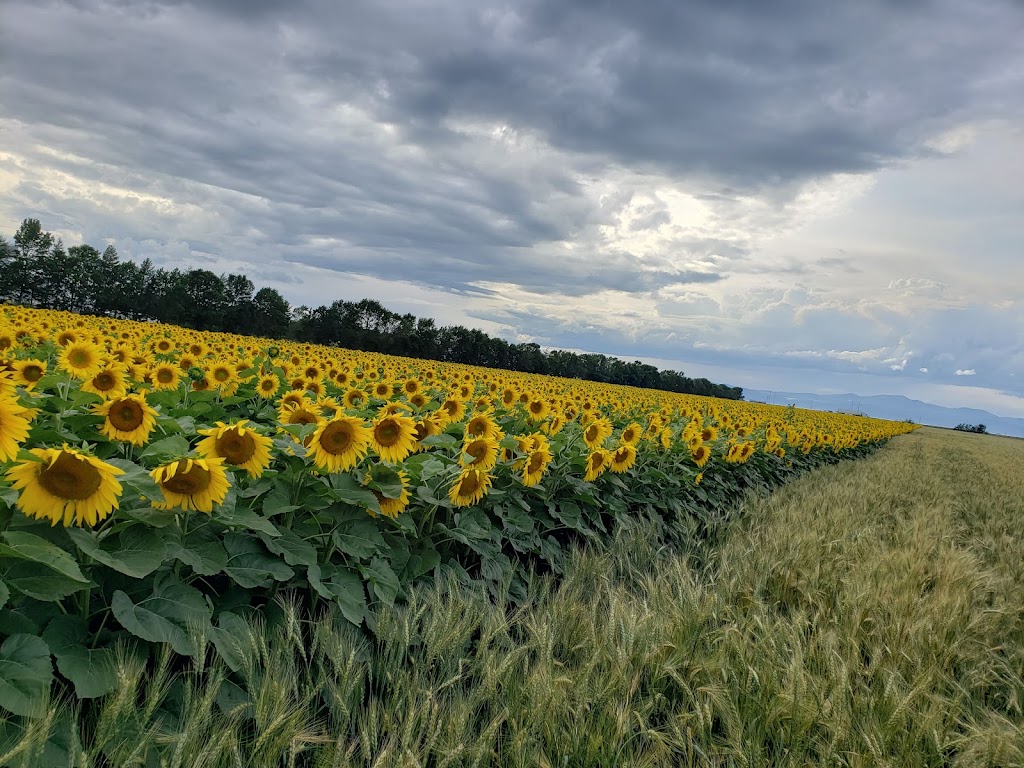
(129, 418)
(192, 484)
(238, 445)
(65, 485)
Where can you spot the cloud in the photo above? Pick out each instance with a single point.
(965, 372)
(818, 189)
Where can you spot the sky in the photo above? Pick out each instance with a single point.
(775, 194)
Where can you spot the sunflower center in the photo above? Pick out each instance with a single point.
(237, 447)
(452, 406)
(70, 478)
(104, 381)
(536, 463)
(196, 480)
(469, 484)
(628, 435)
(336, 438)
(222, 374)
(387, 433)
(126, 415)
(596, 461)
(79, 358)
(476, 428)
(32, 373)
(536, 406)
(477, 450)
(592, 433)
(267, 385)
(165, 376)
(302, 417)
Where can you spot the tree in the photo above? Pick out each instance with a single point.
(271, 314)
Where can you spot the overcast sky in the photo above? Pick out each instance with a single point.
(794, 195)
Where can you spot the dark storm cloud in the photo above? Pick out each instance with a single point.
(335, 134)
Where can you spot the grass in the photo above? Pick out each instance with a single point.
(868, 614)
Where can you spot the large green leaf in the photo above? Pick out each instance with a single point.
(293, 548)
(135, 551)
(5, 594)
(25, 675)
(28, 546)
(92, 670)
(382, 579)
(341, 585)
(347, 489)
(232, 637)
(171, 614)
(137, 478)
(359, 537)
(201, 549)
(171, 447)
(419, 563)
(244, 518)
(249, 564)
(29, 578)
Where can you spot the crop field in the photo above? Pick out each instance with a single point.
(168, 495)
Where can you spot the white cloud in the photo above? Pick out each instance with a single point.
(965, 372)
(899, 366)
(923, 370)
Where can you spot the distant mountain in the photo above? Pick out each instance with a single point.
(894, 407)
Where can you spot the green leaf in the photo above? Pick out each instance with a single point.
(201, 549)
(171, 447)
(359, 538)
(348, 490)
(442, 439)
(293, 548)
(245, 518)
(25, 675)
(92, 671)
(171, 614)
(135, 552)
(420, 563)
(28, 546)
(249, 565)
(138, 479)
(341, 585)
(382, 579)
(42, 584)
(232, 637)
(5, 594)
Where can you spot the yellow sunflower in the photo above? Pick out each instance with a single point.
(597, 462)
(81, 359)
(339, 444)
(165, 376)
(28, 372)
(632, 433)
(623, 458)
(239, 446)
(596, 432)
(14, 427)
(469, 487)
(268, 385)
(536, 463)
(189, 484)
(66, 486)
(482, 453)
(394, 437)
(129, 418)
(354, 397)
(701, 455)
(452, 410)
(108, 382)
(482, 425)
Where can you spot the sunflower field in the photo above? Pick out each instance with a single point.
(158, 482)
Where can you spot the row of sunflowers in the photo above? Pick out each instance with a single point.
(154, 479)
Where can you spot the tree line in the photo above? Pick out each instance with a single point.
(37, 270)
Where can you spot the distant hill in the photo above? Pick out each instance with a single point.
(894, 407)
